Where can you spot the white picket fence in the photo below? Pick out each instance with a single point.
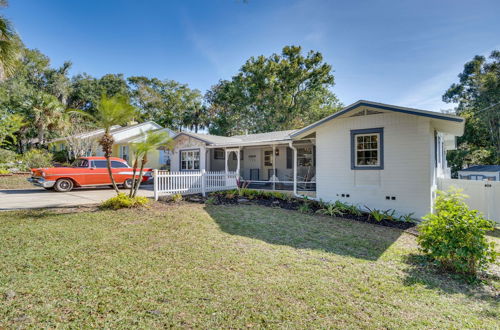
(193, 182)
(484, 196)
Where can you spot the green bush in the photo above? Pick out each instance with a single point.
(330, 209)
(36, 158)
(176, 198)
(61, 156)
(305, 208)
(7, 156)
(124, 201)
(455, 236)
(4, 171)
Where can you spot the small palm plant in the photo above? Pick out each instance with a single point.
(111, 111)
(331, 210)
(151, 141)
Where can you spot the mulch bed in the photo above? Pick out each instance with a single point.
(292, 204)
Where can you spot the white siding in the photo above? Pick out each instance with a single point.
(407, 169)
(184, 143)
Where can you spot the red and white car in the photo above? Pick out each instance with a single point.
(86, 171)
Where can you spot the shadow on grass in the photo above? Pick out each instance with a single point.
(422, 271)
(52, 212)
(291, 228)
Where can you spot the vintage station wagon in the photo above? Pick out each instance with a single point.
(86, 171)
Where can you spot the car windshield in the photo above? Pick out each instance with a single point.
(81, 163)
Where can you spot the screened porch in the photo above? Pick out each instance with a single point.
(269, 166)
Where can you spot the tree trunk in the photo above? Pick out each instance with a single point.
(141, 173)
(132, 188)
(107, 147)
(110, 172)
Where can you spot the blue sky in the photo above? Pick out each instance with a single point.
(400, 52)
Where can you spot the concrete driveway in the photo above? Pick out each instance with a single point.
(13, 199)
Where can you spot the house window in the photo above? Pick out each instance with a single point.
(124, 152)
(268, 158)
(218, 153)
(367, 149)
(190, 160)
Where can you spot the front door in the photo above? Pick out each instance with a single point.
(267, 165)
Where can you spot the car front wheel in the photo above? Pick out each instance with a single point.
(63, 185)
(127, 184)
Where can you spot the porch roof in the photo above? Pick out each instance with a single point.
(216, 141)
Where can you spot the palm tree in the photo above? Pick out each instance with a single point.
(10, 46)
(151, 141)
(111, 111)
(47, 114)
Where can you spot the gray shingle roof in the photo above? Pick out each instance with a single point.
(241, 139)
(483, 168)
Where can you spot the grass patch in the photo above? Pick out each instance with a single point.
(191, 265)
(17, 181)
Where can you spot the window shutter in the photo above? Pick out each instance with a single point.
(289, 157)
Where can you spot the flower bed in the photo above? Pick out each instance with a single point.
(386, 218)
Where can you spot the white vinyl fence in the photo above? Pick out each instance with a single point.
(193, 182)
(484, 196)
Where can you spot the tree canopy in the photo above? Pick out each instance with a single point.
(279, 92)
(478, 96)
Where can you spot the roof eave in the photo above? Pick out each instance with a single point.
(380, 106)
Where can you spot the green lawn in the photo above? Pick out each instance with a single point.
(191, 265)
(15, 182)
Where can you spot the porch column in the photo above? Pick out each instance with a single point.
(294, 168)
(274, 167)
(238, 163)
(226, 158)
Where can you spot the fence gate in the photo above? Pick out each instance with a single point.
(484, 196)
(192, 182)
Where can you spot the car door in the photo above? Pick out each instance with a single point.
(121, 171)
(98, 173)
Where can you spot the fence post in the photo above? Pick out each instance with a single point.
(203, 182)
(155, 183)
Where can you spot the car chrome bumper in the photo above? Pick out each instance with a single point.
(41, 182)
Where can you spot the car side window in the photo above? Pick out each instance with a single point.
(116, 164)
(81, 163)
(99, 164)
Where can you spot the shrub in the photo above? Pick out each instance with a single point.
(36, 158)
(230, 194)
(210, 201)
(4, 171)
(305, 208)
(455, 236)
(354, 210)
(7, 156)
(376, 214)
(61, 156)
(407, 217)
(124, 201)
(330, 209)
(176, 198)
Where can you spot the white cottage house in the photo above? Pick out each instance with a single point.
(370, 154)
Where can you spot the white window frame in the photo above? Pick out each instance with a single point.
(355, 134)
(188, 159)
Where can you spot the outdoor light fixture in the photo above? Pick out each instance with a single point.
(277, 152)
